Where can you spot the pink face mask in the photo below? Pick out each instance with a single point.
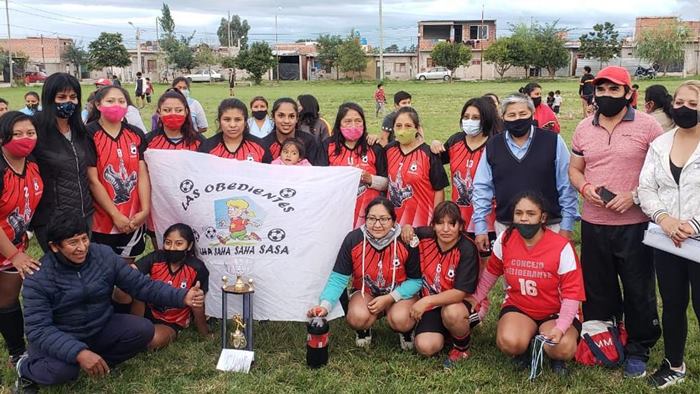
(20, 147)
(113, 113)
(352, 133)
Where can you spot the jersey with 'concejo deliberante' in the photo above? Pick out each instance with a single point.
(537, 278)
(251, 148)
(117, 162)
(384, 270)
(414, 177)
(373, 161)
(442, 270)
(185, 277)
(19, 196)
(157, 139)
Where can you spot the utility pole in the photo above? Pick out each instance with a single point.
(9, 42)
(43, 57)
(228, 34)
(277, 55)
(138, 47)
(481, 45)
(157, 34)
(381, 43)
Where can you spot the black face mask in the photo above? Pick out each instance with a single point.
(519, 127)
(685, 117)
(537, 101)
(526, 230)
(174, 256)
(610, 106)
(259, 115)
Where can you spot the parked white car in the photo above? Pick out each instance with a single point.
(434, 73)
(204, 76)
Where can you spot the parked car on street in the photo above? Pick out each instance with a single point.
(34, 77)
(205, 76)
(434, 73)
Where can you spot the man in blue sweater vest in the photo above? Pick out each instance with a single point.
(69, 320)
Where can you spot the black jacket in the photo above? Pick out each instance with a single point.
(63, 167)
(64, 304)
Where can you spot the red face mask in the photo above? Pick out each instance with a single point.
(20, 147)
(173, 121)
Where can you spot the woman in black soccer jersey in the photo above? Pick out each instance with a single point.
(233, 139)
(174, 129)
(285, 115)
(62, 152)
(118, 176)
(385, 276)
(450, 267)
(20, 191)
(176, 264)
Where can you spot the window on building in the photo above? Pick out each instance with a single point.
(429, 62)
(399, 67)
(476, 62)
(477, 32)
(151, 65)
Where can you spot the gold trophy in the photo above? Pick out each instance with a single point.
(242, 335)
(238, 340)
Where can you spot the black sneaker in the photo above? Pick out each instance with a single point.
(521, 362)
(25, 386)
(559, 367)
(665, 376)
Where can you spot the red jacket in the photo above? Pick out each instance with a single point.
(544, 115)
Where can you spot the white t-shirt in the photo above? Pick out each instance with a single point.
(557, 101)
(199, 118)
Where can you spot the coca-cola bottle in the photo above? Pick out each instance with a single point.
(317, 342)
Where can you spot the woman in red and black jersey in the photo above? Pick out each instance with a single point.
(385, 276)
(178, 266)
(20, 191)
(449, 264)
(544, 285)
(233, 139)
(174, 129)
(347, 146)
(285, 115)
(416, 175)
(118, 175)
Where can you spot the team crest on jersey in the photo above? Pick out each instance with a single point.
(413, 167)
(250, 157)
(465, 188)
(36, 186)
(122, 182)
(364, 159)
(398, 193)
(183, 284)
(133, 151)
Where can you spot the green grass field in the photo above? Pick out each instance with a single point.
(189, 364)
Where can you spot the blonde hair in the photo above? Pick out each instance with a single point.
(693, 84)
(242, 205)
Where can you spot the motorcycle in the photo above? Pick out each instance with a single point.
(643, 72)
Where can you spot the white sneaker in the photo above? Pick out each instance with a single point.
(406, 340)
(363, 338)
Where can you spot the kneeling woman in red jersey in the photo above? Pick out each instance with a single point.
(544, 285)
(177, 265)
(348, 146)
(449, 263)
(416, 175)
(233, 139)
(20, 191)
(174, 129)
(385, 276)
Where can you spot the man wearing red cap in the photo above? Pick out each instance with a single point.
(609, 149)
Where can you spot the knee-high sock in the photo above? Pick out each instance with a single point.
(12, 329)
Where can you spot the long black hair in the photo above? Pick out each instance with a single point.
(276, 106)
(7, 123)
(527, 89)
(659, 95)
(448, 210)
(309, 110)
(338, 138)
(491, 123)
(185, 232)
(189, 132)
(533, 196)
(100, 95)
(53, 85)
(232, 103)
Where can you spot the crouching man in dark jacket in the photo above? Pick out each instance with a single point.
(68, 315)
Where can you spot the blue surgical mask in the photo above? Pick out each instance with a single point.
(471, 127)
(185, 92)
(65, 110)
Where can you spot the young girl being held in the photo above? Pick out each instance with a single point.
(292, 154)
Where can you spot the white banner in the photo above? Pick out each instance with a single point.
(286, 223)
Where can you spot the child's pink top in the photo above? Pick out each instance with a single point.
(302, 162)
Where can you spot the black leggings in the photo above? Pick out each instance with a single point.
(676, 276)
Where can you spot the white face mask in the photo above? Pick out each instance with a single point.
(471, 127)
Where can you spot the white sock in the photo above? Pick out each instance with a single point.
(680, 369)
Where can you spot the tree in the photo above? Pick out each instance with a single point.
(328, 46)
(351, 57)
(182, 56)
(522, 47)
(205, 56)
(548, 41)
(393, 48)
(239, 30)
(451, 55)
(76, 55)
(108, 51)
(603, 43)
(256, 60)
(228, 62)
(663, 44)
(500, 55)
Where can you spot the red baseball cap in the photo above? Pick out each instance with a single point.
(615, 74)
(103, 82)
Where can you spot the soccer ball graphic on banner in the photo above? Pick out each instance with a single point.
(276, 235)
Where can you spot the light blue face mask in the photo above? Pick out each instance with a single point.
(471, 127)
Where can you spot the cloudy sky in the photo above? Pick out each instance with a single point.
(297, 19)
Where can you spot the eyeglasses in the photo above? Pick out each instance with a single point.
(371, 220)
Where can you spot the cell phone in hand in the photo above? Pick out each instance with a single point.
(605, 194)
(548, 125)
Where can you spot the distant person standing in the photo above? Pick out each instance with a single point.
(139, 93)
(658, 103)
(379, 99)
(558, 100)
(543, 116)
(635, 95)
(585, 90)
(401, 99)
(149, 90)
(115, 81)
(231, 81)
(31, 101)
(199, 118)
